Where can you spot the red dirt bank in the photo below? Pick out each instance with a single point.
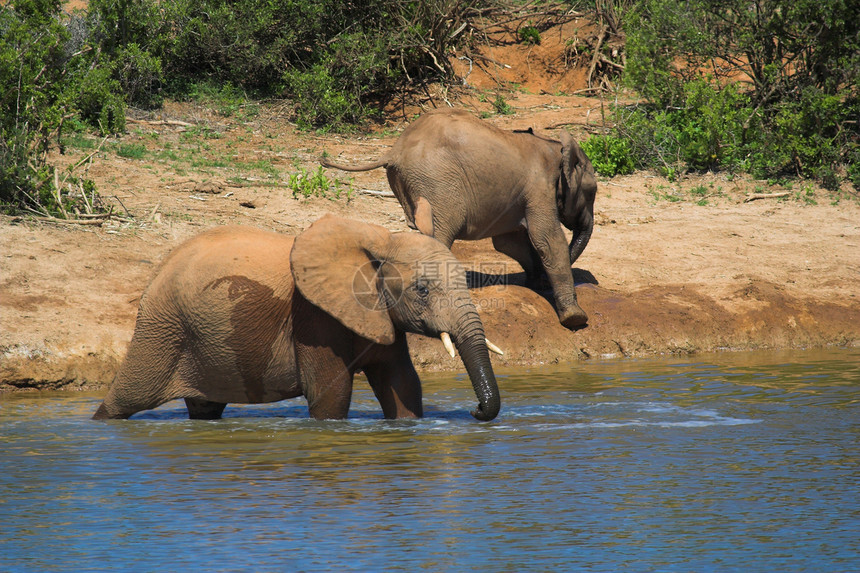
(659, 276)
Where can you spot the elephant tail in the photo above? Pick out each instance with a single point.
(381, 162)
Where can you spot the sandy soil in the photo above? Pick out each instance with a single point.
(663, 274)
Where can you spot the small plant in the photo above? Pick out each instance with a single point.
(807, 195)
(853, 168)
(529, 35)
(701, 194)
(304, 183)
(501, 106)
(664, 193)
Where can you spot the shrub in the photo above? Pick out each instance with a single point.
(609, 155)
(99, 101)
(347, 58)
(318, 101)
(51, 79)
(782, 83)
(33, 104)
(710, 126)
(529, 35)
(338, 90)
(139, 76)
(805, 135)
(854, 167)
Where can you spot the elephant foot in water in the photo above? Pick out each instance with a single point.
(199, 409)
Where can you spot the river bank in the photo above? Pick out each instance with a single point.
(694, 265)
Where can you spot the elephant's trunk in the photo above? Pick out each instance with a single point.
(582, 229)
(472, 346)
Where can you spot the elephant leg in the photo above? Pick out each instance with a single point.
(199, 409)
(146, 377)
(325, 359)
(549, 242)
(394, 380)
(329, 398)
(518, 246)
(326, 380)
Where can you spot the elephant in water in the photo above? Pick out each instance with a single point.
(458, 177)
(249, 316)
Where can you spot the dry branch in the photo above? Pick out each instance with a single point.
(94, 222)
(171, 122)
(756, 196)
(596, 57)
(376, 193)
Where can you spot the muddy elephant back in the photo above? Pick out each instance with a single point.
(236, 297)
(229, 254)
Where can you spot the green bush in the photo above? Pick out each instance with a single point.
(609, 155)
(113, 25)
(805, 135)
(245, 42)
(99, 101)
(33, 100)
(705, 131)
(348, 59)
(52, 78)
(139, 76)
(780, 91)
(719, 129)
(529, 35)
(319, 101)
(710, 126)
(338, 90)
(854, 167)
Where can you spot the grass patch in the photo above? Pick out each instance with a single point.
(306, 184)
(131, 150)
(80, 141)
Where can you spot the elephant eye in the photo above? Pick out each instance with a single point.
(422, 290)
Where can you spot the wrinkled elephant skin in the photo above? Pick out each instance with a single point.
(243, 315)
(458, 177)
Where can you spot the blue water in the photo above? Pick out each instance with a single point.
(731, 462)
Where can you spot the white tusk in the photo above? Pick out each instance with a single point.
(493, 348)
(449, 346)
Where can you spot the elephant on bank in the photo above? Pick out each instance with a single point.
(250, 316)
(458, 177)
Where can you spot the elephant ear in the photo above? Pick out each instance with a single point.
(579, 184)
(336, 264)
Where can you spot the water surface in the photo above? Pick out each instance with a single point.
(730, 462)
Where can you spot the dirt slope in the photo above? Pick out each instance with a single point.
(673, 267)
